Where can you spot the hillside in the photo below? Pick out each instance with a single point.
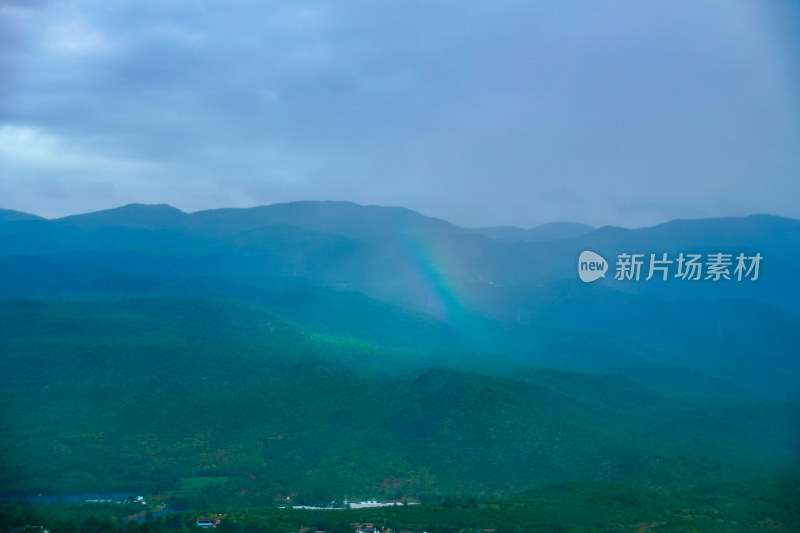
(191, 387)
(326, 347)
(520, 298)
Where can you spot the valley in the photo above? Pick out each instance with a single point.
(331, 349)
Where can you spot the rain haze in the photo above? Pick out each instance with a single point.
(628, 113)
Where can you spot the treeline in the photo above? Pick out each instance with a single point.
(767, 505)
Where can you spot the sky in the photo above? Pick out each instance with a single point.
(483, 113)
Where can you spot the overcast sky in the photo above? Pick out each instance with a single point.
(483, 113)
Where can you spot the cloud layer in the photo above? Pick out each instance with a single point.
(483, 113)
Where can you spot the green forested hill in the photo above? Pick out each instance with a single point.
(127, 394)
(330, 349)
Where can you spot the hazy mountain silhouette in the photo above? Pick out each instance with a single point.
(8, 215)
(425, 266)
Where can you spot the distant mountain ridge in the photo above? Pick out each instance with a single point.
(345, 218)
(327, 215)
(148, 216)
(8, 215)
(423, 265)
(326, 344)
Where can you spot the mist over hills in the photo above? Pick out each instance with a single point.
(550, 231)
(383, 344)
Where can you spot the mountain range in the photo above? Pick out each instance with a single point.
(325, 348)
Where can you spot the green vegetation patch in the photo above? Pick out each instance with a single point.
(192, 484)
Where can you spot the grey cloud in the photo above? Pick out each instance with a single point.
(481, 112)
